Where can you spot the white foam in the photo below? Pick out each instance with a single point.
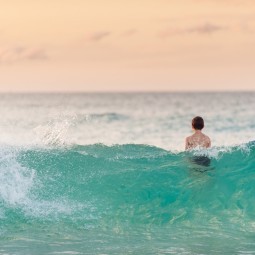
(16, 181)
(18, 184)
(218, 152)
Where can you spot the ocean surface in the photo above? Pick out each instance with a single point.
(108, 174)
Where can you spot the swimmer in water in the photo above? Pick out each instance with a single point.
(198, 139)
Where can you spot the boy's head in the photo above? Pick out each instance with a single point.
(198, 123)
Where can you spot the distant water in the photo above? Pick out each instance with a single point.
(107, 174)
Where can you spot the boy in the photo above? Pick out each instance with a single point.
(198, 138)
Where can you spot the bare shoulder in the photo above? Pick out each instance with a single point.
(207, 137)
(188, 138)
(207, 140)
(188, 142)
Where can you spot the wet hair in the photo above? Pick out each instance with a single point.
(198, 123)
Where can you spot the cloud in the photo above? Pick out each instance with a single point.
(20, 53)
(129, 32)
(98, 36)
(101, 35)
(204, 29)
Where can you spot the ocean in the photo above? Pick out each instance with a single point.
(107, 173)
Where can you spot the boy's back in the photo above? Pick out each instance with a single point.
(198, 139)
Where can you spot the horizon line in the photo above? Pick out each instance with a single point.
(125, 92)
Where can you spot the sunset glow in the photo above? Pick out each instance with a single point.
(120, 45)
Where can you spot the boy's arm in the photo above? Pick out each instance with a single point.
(208, 142)
(186, 143)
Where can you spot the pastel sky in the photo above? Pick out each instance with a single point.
(127, 45)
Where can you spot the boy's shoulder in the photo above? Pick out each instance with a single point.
(194, 136)
(207, 137)
(190, 137)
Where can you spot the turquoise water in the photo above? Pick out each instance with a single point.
(62, 195)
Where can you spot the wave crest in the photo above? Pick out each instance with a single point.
(138, 183)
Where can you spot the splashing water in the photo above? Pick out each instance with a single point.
(55, 131)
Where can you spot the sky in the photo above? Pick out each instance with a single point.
(127, 45)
